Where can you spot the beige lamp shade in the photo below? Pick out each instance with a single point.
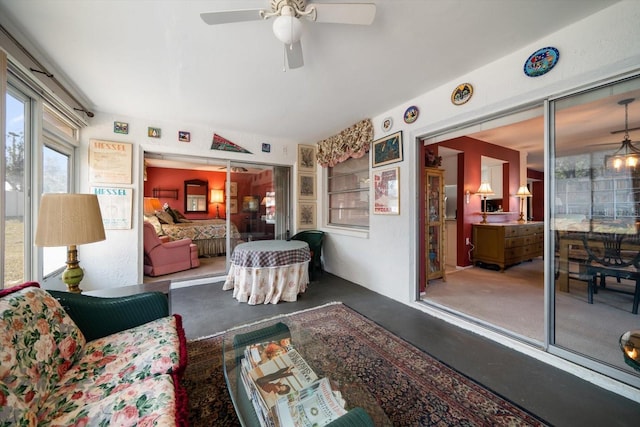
(151, 205)
(523, 191)
(217, 196)
(485, 190)
(69, 219)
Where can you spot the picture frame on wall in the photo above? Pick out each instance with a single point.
(110, 162)
(386, 190)
(233, 206)
(306, 218)
(250, 203)
(306, 186)
(306, 158)
(387, 150)
(233, 189)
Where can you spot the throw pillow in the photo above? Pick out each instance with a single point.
(164, 217)
(153, 220)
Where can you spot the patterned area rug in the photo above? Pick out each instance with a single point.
(411, 387)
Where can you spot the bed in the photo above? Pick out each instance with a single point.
(210, 235)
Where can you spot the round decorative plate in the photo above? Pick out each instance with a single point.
(387, 124)
(411, 115)
(541, 61)
(461, 94)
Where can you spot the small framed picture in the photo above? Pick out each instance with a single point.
(233, 189)
(306, 186)
(184, 136)
(121, 127)
(233, 206)
(387, 150)
(306, 158)
(306, 215)
(386, 190)
(153, 132)
(266, 148)
(387, 124)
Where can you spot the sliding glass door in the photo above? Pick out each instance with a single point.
(594, 201)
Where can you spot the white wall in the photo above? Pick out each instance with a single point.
(599, 47)
(117, 261)
(384, 259)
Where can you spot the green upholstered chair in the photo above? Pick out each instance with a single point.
(314, 238)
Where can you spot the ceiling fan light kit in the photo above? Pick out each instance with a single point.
(287, 26)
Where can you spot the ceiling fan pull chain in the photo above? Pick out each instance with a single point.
(284, 59)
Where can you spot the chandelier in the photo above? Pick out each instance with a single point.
(627, 156)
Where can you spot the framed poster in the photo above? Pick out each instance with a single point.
(233, 189)
(233, 206)
(306, 186)
(386, 190)
(109, 162)
(306, 215)
(306, 158)
(115, 206)
(387, 150)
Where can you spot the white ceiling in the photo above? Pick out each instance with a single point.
(159, 60)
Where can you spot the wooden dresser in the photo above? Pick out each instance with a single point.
(506, 244)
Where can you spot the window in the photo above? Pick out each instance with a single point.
(348, 191)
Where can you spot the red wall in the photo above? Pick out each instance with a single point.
(469, 178)
(248, 185)
(537, 194)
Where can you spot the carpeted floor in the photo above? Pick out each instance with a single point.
(411, 387)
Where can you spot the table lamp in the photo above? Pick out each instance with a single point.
(484, 191)
(69, 220)
(217, 197)
(523, 193)
(151, 205)
(630, 346)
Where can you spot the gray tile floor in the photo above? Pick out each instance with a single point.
(557, 397)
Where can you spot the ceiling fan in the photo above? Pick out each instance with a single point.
(235, 169)
(287, 26)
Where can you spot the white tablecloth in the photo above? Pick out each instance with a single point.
(268, 271)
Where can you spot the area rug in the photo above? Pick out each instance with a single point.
(406, 386)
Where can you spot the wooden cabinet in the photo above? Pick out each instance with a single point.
(506, 244)
(434, 224)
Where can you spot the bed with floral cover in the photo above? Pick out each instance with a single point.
(51, 375)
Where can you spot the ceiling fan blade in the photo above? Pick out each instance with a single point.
(294, 55)
(345, 13)
(230, 16)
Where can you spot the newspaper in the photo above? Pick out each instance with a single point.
(313, 406)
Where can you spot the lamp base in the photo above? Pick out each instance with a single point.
(73, 274)
(521, 219)
(484, 218)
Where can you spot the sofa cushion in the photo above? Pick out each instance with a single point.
(148, 402)
(13, 409)
(38, 344)
(164, 217)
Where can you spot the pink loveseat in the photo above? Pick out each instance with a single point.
(165, 258)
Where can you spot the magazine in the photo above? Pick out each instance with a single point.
(281, 375)
(315, 405)
(256, 354)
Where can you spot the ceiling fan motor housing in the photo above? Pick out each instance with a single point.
(297, 5)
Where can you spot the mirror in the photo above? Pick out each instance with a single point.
(195, 195)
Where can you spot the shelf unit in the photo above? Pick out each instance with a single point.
(165, 193)
(434, 224)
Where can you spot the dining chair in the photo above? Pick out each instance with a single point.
(314, 238)
(612, 255)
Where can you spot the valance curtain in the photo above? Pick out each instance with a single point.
(351, 142)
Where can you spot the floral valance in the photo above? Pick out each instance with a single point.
(351, 142)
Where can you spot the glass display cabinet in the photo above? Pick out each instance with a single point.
(434, 224)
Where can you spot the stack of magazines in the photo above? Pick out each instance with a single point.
(284, 390)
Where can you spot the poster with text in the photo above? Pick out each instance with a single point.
(115, 206)
(110, 162)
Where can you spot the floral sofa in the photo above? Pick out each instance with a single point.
(75, 360)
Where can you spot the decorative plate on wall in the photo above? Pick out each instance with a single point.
(387, 124)
(411, 115)
(541, 61)
(461, 94)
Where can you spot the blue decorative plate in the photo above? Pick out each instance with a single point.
(541, 61)
(411, 115)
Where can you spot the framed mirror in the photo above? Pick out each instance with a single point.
(195, 195)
